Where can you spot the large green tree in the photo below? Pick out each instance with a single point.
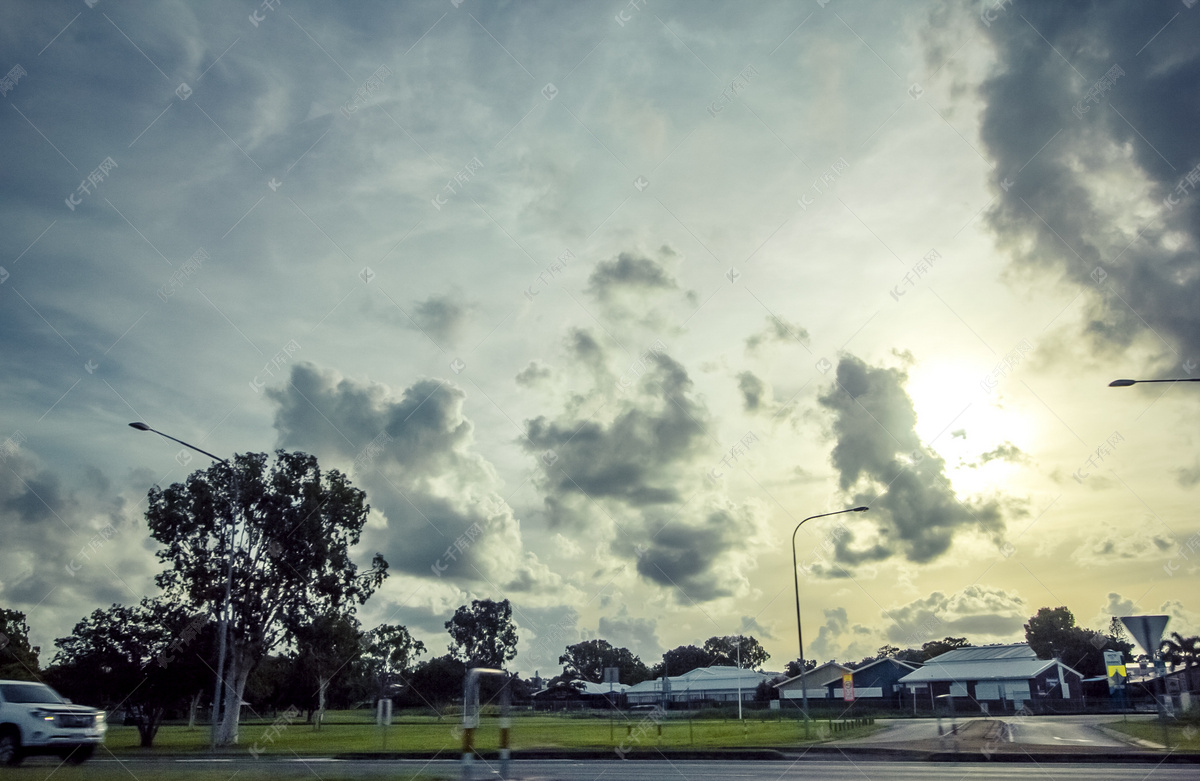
(681, 659)
(1052, 633)
(18, 659)
(586, 661)
(483, 635)
(326, 645)
(389, 654)
(144, 658)
(295, 527)
(724, 651)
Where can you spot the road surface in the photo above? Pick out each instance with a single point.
(634, 770)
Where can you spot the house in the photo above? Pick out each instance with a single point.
(992, 678)
(702, 685)
(816, 680)
(877, 681)
(579, 694)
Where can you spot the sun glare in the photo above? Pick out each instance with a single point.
(966, 425)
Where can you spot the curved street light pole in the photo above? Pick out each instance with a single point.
(223, 623)
(796, 581)
(1127, 383)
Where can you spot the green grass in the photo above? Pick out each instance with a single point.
(1183, 736)
(351, 732)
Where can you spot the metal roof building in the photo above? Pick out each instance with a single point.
(704, 684)
(993, 678)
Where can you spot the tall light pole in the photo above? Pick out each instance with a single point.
(223, 623)
(1127, 383)
(796, 580)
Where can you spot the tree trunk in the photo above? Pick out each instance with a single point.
(238, 672)
(322, 688)
(148, 726)
(195, 704)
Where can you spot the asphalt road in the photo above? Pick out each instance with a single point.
(632, 770)
(1066, 731)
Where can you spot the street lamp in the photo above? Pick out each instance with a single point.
(796, 580)
(1127, 383)
(223, 623)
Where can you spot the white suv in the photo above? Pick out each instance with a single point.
(34, 719)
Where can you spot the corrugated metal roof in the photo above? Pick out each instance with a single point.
(703, 679)
(819, 676)
(983, 670)
(979, 653)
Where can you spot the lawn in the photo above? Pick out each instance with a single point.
(1183, 736)
(352, 732)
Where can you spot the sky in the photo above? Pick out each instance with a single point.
(598, 301)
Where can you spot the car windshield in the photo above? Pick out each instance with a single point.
(29, 692)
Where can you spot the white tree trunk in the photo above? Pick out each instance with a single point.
(192, 709)
(322, 688)
(238, 672)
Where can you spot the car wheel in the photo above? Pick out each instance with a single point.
(79, 755)
(10, 749)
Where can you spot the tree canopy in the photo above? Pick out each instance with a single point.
(295, 527)
(587, 660)
(18, 659)
(1178, 650)
(483, 634)
(145, 658)
(1052, 633)
(724, 651)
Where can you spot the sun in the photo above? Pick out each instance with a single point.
(964, 420)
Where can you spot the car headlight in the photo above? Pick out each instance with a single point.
(38, 713)
(100, 717)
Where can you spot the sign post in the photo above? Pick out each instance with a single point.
(611, 675)
(1148, 630)
(848, 687)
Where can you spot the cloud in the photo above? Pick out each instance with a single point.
(750, 626)
(1112, 545)
(636, 456)
(1117, 606)
(1077, 177)
(628, 274)
(753, 390)
(879, 457)
(639, 635)
(1006, 451)
(442, 318)
(777, 330)
(632, 464)
(534, 372)
(838, 639)
(68, 550)
(415, 456)
(980, 613)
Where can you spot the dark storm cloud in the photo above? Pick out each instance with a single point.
(684, 556)
(879, 457)
(442, 318)
(414, 456)
(633, 458)
(636, 469)
(1056, 152)
(66, 550)
(777, 329)
(628, 273)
